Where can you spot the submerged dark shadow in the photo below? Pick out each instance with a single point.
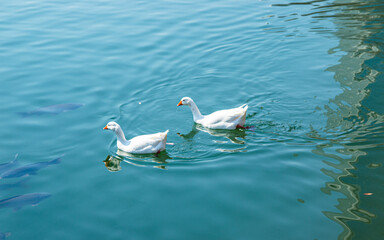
(52, 110)
(4, 235)
(20, 201)
(6, 166)
(27, 170)
(18, 184)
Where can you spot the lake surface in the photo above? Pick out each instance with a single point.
(309, 167)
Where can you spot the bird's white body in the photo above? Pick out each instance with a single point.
(223, 119)
(150, 143)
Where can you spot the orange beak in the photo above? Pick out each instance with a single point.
(106, 127)
(180, 103)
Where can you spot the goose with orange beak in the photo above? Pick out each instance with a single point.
(223, 119)
(150, 143)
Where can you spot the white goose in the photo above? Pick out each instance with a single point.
(223, 119)
(150, 143)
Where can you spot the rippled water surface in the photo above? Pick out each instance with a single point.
(310, 166)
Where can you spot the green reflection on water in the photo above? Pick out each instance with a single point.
(355, 118)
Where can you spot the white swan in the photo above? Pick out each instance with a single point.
(223, 119)
(151, 143)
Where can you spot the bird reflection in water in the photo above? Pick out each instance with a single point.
(112, 163)
(236, 136)
(158, 160)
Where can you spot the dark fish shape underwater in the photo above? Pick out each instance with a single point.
(18, 184)
(30, 169)
(17, 202)
(6, 166)
(53, 109)
(3, 236)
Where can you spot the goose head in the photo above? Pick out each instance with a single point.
(185, 101)
(112, 126)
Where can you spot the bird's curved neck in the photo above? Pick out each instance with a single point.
(195, 112)
(120, 136)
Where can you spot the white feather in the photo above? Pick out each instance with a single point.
(150, 143)
(223, 119)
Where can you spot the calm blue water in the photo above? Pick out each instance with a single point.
(309, 168)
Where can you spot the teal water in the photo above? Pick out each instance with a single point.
(310, 167)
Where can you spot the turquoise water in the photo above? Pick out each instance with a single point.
(310, 166)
